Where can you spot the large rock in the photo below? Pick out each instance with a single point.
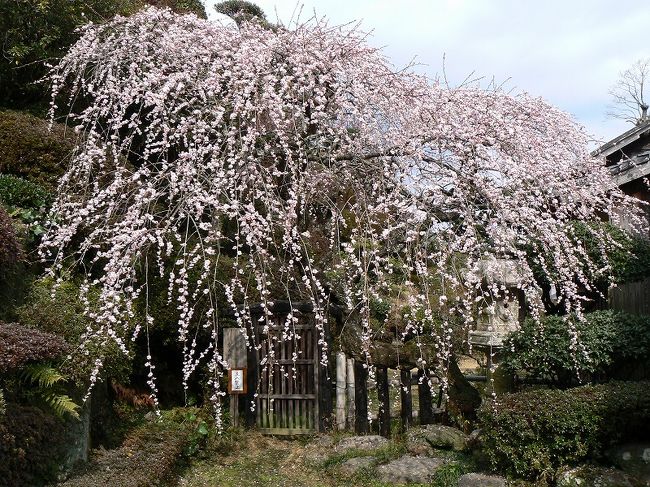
(423, 440)
(365, 443)
(481, 480)
(589, 476)
(407, 469)
(353, 466)
(632, 458)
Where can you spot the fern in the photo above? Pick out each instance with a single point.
(48, 381)
(61, 404)
(43, 375)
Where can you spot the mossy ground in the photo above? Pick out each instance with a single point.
(256, 460)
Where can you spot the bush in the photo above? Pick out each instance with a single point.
(532, 434)
(10, 249)
(30, 446)
(58, 310)
(20, 193)
(149, 457)
(606, 340)
(29, 149)
(21, 345)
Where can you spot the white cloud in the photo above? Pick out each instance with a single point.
(567, 51)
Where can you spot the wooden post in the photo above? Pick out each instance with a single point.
(360, 398)
(234, 410)
(407, 399)
(425, 398)
(384, 401)
(249, 400)
(340, 390)
(350, 395)
(236, 354)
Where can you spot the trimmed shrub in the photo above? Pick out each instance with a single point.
(30, 446)
(606, 339)
(20, 193)
(21, 345)
(29, 149)
(532, 434)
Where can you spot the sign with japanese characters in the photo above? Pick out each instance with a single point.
(237, 381)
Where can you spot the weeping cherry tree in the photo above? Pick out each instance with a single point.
(318, 171)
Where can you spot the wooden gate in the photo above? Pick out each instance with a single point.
(287, 402)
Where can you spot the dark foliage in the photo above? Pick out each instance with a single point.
(629, 260)
(149, 457)
(30, 446)
(29, 149)
(20, 345)
(178, 6)
(606, 340)
(38, 31)
(240, 10)
(532, 434)
(10, 249)
(58, 310)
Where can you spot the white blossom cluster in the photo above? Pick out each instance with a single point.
(198, 141)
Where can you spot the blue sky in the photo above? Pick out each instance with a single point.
(568, 52)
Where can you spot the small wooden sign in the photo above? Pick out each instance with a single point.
(237, 381)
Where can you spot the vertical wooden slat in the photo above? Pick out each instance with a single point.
(340, 390)
(360, 397)
(253, 386)
(406, 397)
(384, 401)
(349, 393)
(316, 380)
(425, 398)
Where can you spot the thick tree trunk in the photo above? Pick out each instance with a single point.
(463, 397)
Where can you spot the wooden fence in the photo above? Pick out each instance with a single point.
(633, 297)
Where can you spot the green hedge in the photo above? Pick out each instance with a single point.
(607, 339)
(532, 434)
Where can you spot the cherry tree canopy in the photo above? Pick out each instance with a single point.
(306, 158)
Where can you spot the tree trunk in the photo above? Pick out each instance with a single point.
(384, 401)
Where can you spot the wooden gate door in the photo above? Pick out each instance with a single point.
(287, 401)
